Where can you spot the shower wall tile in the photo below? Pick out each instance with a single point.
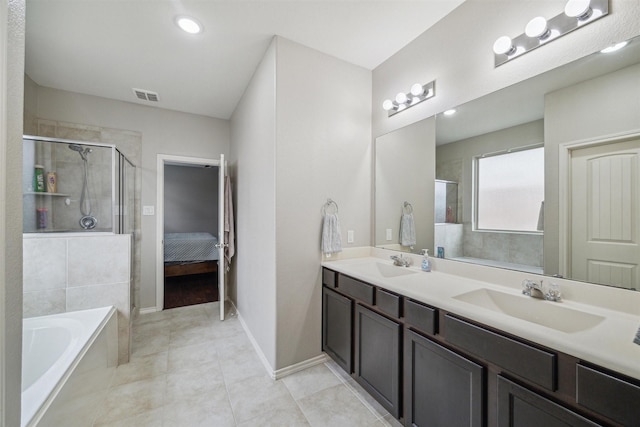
(44, 263)
(95, 296)
(43, 302)
(98, 260)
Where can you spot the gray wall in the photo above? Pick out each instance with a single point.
(291, 151)
(404, 171)
(190, 199)
(252, 161)
(163, 132)
(12, 22)
(598, 108)
(323, 150)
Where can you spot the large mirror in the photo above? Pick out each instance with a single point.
(542, 176)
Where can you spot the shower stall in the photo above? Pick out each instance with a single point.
(74, 186)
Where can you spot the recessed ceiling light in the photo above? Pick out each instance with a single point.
(450, 112)
(189, 25)
(614, 47)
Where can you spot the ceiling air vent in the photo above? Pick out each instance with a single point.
(146, 95)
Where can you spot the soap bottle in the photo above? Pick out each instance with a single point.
(426, 262)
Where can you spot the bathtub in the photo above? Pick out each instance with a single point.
(67, 363)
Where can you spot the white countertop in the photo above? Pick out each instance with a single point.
(608, 344)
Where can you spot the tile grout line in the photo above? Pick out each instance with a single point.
(356, 393)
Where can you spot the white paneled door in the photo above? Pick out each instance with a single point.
(605, 214)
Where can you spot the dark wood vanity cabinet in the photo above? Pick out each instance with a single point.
(441, 387)
(520, 407)
(337, 327)
(377, 357)
(429, 367)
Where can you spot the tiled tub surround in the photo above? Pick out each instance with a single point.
(65, 390)
(608, 344)
(65, 273)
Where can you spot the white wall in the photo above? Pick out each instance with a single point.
(323, 150)
(163, 132)
(12, 22)
(601, 107)
(457, 53)
(252, 166)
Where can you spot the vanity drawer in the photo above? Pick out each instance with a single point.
(388, 303)
(529, 362)
(329, 277)
(612, 397)
(357, 289)
(420, 316)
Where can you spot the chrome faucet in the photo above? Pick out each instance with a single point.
(401, 261)
(534, 289)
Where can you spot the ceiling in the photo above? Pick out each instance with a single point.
(108, 47)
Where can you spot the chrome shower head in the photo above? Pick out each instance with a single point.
(82, 151)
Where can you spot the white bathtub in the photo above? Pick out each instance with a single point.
(67, 359)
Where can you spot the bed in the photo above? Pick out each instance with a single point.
(190, 253)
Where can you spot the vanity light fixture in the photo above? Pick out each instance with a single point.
(540, 30)
(416, 95)
(189, 25)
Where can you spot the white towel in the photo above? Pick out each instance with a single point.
(331, 238)
(407, 230)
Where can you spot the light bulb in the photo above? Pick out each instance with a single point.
(580, 9)
(401, 98)
(614, 47)
(387, 104)
(537, 28)
(417, 89)
(504, 46)
(189, 25)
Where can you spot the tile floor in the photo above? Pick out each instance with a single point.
(190, 369)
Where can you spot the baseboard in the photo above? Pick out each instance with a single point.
(148, 310)
(301, 366)
(283, 372)
(255, 345)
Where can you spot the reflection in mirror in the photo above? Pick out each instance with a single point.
(591, 102)
(404, 172)
(577, 102)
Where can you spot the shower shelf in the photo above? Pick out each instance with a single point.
(34, 193)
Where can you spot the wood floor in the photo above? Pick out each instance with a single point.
(193, 289)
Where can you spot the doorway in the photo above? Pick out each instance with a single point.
(190, 201)
(190, 230)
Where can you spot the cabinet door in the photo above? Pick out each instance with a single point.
(441, 388)
(520, 407)
(377, 357)
(337, 325)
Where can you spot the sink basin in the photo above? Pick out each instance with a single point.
(379, 269)
(550, 314)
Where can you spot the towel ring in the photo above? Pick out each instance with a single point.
(328, 205)
(407, 208)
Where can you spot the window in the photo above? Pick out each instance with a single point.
(510, 191)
